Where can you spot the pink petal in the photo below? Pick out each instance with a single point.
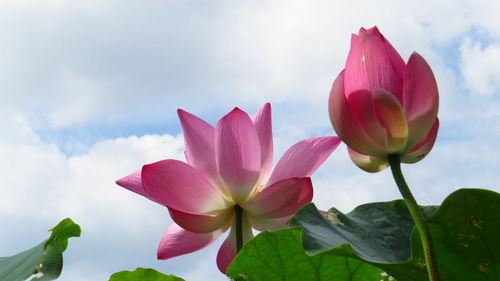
(303, 158)
(227, 251)
(133, 183)
(420, 98)
(371, 164)
(346, 124)
(263, 125)
(281, 199)
(362, 104)
(226, 254)
(238, 154)
(422, 148)
(370, 64)
(201, 223)
(199, 137)
(177, 241)
(177, 185)
(397, 61)
(391, 116)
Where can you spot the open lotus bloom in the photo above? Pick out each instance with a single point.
(379, 105)
(228, 165)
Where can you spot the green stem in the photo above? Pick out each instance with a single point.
(239, 227)
(418, 218)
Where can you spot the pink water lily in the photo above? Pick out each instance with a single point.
(380, 106)
(228, 166)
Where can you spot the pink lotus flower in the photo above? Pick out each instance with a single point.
(379, 105)
(228, 166)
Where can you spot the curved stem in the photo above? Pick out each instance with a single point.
(418, 218)
(239, 227)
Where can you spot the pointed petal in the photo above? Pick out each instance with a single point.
(227, 251)
(397, 61)
(422, 148)
(391, 116)
(303, 158)
(263, 125)
(201, 223)
(177, 185)
(133, 183)
(177, 241)
(371, 164)
(420, 98)
(199, 137)
(281, 199)
(238, 153)
(370, 64)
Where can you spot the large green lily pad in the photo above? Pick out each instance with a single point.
(379, 232)
(377, 241)
(279, 255)
(465, 232)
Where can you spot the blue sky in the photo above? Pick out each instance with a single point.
(89, 92)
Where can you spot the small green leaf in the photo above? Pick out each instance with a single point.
(42, 262)
(62, 231)
(279, 255)
(143, 274)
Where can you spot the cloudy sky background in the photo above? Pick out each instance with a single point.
(89, 89)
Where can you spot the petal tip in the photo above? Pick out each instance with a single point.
(416, 54)
(161, 256)
(236, 109)
(185, 116)
(181, 112)
(131, 182)
(334, 140)
(373, 29)
(235, 113)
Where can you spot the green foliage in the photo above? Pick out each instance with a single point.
(378, 240)
(44, 260)
(143, 274)
(62, 231)
(378, 232)
(466, 232)
(279, 255)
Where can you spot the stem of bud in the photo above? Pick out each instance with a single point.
(418, 218)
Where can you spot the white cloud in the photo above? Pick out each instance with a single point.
(479, 65)
(78, 97)
(67, 62)
(41, 186)
(79, 186)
